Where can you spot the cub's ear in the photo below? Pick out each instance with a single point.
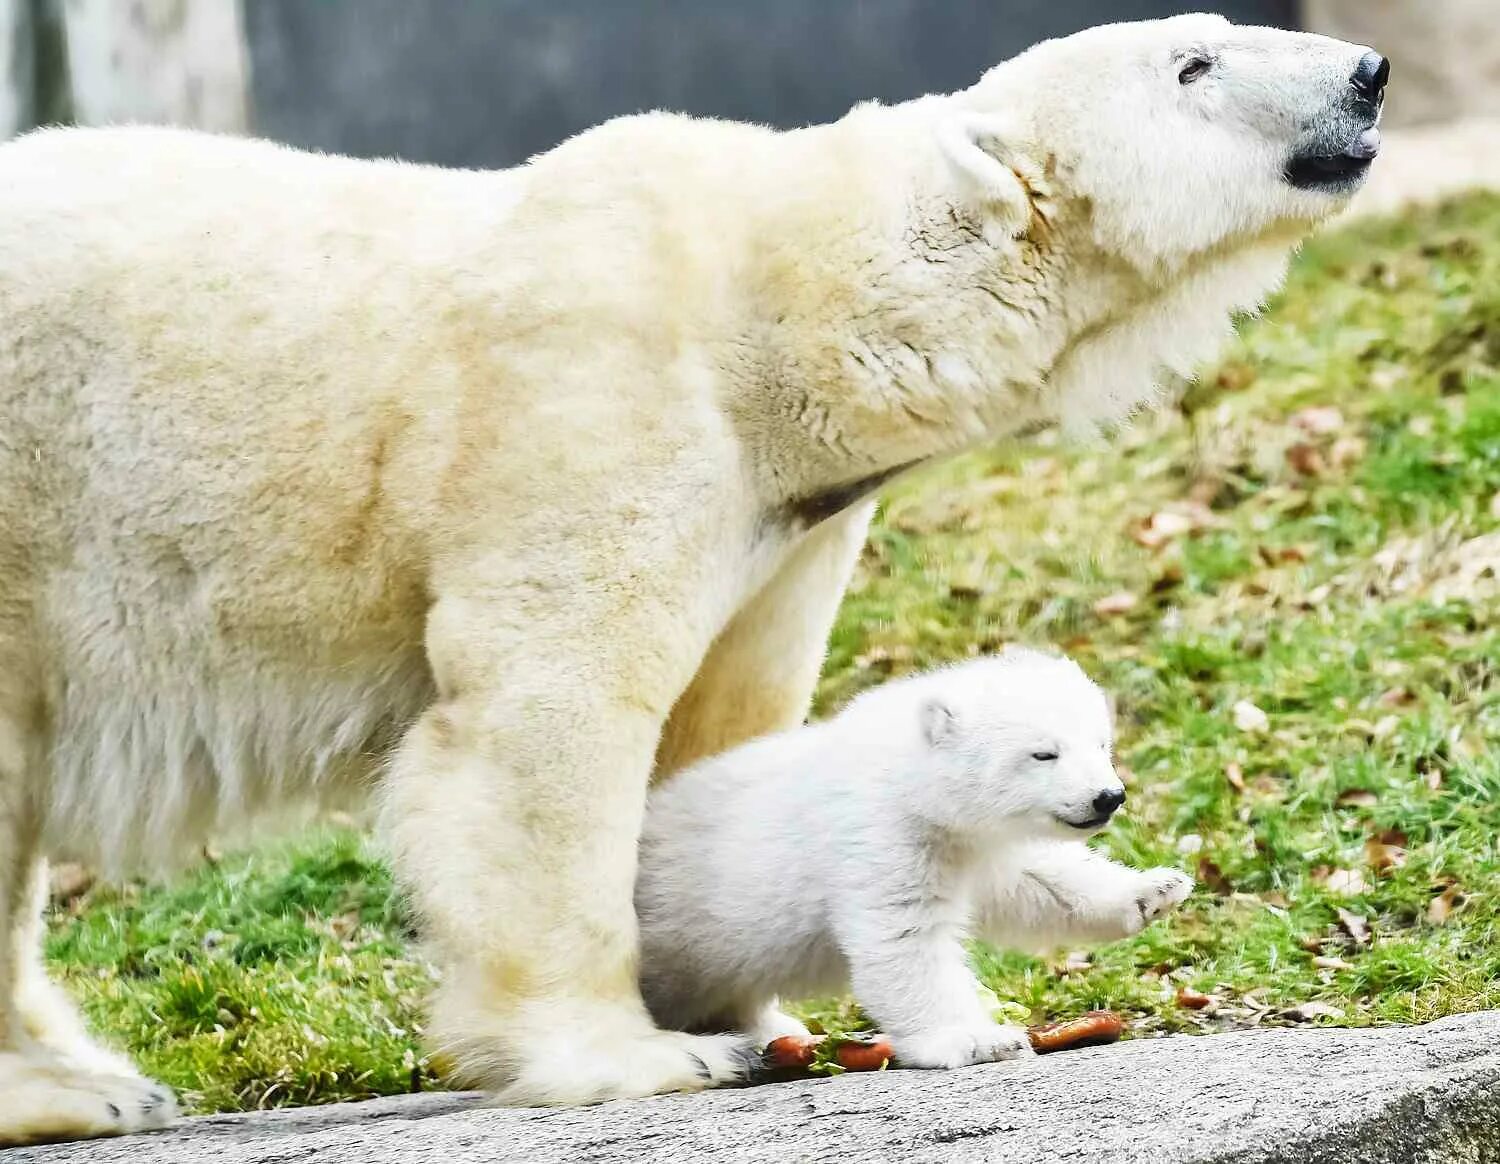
(939, 723)
(977, 146)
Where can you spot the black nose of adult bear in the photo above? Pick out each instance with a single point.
(1106, 802)
(1371, 75)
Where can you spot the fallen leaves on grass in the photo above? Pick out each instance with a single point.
(1306, 1012)
(1443, 905)
(1236, 777)
(1182, 519)
(1321, 420)
(1357, 927)
(1386, 851)
(1348, 882)
(1249, 718)
(1356, 798)
(1190, 999)
(1213, 879)
(1112, 605)
(1306, 460)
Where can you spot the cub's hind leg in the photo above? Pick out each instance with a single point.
(55, 1084)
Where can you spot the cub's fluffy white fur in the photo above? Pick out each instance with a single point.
(495, 494)
(865, 849)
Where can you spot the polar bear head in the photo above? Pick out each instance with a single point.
(1021, 741)
(1188, 134)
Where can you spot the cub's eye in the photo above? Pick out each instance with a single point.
(1194, 69)
(1043, 757)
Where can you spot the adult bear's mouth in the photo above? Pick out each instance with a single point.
(1335, 173)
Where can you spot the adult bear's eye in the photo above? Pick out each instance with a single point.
(1043, 757)
(1194, 69)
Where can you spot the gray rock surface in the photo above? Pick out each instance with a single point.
(1429, 1094)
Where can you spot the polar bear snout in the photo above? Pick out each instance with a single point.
(1107, 801)
(1370, 77)
(1096, 811)
(1339, 154)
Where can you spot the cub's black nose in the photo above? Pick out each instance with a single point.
(1106, 802)
(1371, 75)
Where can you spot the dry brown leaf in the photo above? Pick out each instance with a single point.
(1320, 420)
(1190, 999)
(1115, 604)
(1396, 697)
(1213, 878)
(1384, 856)
(1356, 798)
(1434, 778)
(1306, 459)
(1236, 777)
(1346, 881)
(1160, 528)
(1355, 926)
(1306, 1012)
(1443, 905)
(1326, 962)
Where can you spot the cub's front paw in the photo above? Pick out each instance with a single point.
(962, 1046)
(1161, 890)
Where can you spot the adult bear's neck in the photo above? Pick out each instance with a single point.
(894, 323)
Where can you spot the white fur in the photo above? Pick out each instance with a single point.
(539, 472)
(867, 848)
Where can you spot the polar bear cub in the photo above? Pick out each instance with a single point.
(862, 851)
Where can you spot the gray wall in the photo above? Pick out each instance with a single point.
(489, 82)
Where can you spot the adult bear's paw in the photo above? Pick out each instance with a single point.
(586, 1071)
(43, 1099)
(574, 1051)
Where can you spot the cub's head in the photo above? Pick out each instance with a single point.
(1188, 134)
(1023, 741)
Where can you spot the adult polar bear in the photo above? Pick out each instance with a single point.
(553, 475)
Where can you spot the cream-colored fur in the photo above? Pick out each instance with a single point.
(526, 483)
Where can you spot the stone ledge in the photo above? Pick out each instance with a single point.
(1393, 1095)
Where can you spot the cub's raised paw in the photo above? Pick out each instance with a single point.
(962, 1046)
(1162, 890)
(42, 1100)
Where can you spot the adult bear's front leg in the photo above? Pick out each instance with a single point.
(514, 806)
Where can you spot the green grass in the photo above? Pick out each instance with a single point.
(1350, 604)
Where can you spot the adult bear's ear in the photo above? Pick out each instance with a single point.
(939, 723)
(979, 148)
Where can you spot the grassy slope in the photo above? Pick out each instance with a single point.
(1342, 602)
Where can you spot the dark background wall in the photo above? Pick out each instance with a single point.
(489, 82)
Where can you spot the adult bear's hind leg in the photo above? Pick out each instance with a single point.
(760, 672)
